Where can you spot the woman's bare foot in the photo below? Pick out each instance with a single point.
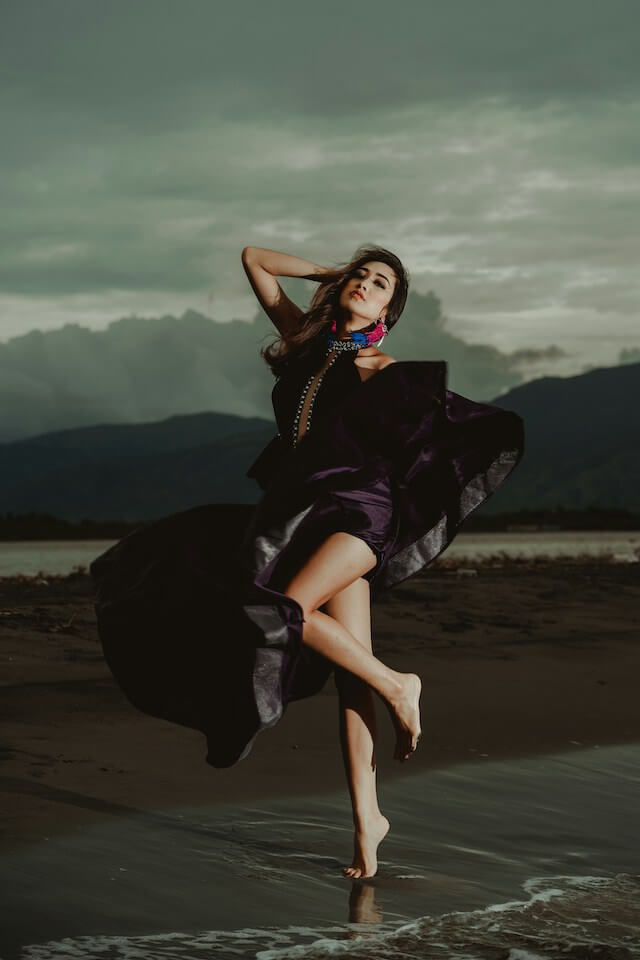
(405, 714)
(366, 840)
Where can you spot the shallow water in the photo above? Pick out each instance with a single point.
(520, 859)
(29, 557)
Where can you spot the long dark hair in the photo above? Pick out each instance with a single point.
(316, 322)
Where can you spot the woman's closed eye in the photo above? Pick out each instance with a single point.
(361, 276)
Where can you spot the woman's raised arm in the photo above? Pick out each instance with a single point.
(262, 266)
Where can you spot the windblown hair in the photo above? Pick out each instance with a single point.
(323, 309)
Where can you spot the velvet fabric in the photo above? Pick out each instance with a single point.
(191, 611)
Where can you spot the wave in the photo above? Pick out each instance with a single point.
(564, 918)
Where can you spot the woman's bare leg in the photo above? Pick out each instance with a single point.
(337, 562)
(357, 725)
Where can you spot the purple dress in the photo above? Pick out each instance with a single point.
(191, 614)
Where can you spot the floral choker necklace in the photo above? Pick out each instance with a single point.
(357, 339)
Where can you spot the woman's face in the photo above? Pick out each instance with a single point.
(368, 291)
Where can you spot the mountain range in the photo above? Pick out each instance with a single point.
(581, 451)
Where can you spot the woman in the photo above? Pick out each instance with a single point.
(374, 467)
(331, 585)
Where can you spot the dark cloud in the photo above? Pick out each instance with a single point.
(142, 60)
(494, 145)
(146, 368)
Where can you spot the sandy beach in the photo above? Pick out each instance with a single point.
(511, 825)
(517, 659)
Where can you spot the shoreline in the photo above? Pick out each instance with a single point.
(517, 661)
(486, 850)
(56, 559)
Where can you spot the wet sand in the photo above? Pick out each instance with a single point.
(517, 659)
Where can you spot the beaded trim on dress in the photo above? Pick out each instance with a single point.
(301, 402)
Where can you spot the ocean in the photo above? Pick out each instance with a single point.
(527, 859)
(30, 557)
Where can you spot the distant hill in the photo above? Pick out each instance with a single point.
(141, 369)
(133, 472)
(582, 442)
(581, 452)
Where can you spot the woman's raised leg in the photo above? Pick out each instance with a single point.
(357, 724)
(337, 562)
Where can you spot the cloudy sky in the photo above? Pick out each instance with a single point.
(494, 145)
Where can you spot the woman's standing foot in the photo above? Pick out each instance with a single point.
(368, 836)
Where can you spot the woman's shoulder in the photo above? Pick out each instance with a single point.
(373, 358)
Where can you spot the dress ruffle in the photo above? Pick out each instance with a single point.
(190, 608)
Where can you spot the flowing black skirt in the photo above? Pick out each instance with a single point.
(191, 614)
